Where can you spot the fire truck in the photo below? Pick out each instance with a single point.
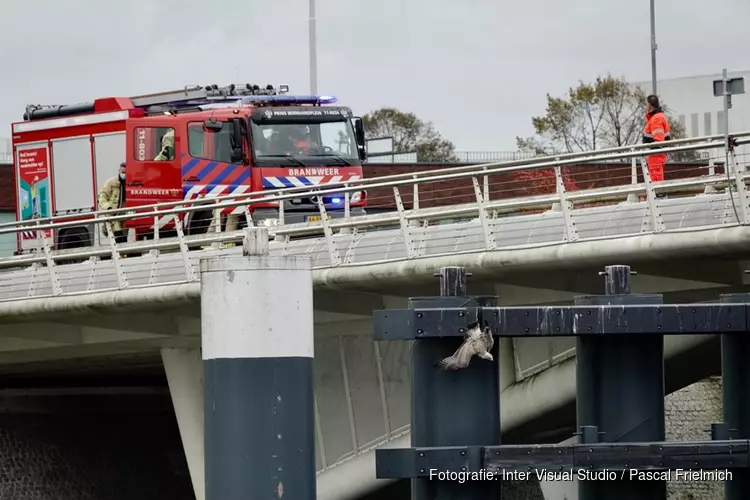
(183, 145)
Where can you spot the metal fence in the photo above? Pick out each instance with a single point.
(466, 157)
(466, 211)
(487, 194)
(414, 157)
(459, 157)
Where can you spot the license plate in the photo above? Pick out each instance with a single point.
(315, 218)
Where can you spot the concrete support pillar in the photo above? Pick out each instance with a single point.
(184, 371)
(257, 337)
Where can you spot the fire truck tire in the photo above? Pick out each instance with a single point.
(200, 222)
(75, 237)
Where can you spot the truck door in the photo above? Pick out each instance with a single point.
(153, 168)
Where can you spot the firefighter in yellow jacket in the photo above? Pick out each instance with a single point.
(112, 197)
(167, 147)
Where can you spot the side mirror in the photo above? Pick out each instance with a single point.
(359, 134)
(213, 124)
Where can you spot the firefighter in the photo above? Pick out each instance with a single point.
(167, 147)
(301, 139)
(112, 197)
(656, 130)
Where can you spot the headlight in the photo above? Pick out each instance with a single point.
(270, 222)
(356, 197)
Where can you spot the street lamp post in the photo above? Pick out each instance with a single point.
(653, 50)
(313, 51)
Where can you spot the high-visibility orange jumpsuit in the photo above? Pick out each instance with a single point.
(656, 130)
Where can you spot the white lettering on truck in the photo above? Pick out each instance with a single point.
(314, 171)
(141, 144)
(155, 192)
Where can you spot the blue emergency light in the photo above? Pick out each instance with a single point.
(230, 101)
(236, 101)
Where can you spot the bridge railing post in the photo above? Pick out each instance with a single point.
(453, 408)
(735, 371)
(257, 343)
(454, 413)
(620, 386)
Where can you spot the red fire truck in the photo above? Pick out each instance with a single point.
(182, 145)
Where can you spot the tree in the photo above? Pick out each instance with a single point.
(410, 134)
(605, 114)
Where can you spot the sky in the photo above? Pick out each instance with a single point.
(477, 69)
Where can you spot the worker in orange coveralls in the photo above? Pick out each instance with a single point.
(656, 130)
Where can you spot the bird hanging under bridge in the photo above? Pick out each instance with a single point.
(478, 342)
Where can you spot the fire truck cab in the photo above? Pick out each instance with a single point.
(183, 145)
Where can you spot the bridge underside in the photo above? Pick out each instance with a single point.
(362, 387)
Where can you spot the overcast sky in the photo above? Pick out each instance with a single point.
(478, 69)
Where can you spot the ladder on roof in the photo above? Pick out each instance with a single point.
(161, 101)
(208, 93)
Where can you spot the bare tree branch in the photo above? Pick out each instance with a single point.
(610, 112)
(410, 134)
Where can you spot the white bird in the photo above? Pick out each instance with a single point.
(478, 342)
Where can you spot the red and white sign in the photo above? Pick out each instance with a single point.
(34, 186)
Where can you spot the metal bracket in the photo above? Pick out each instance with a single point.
(54, 277)
(567, 459)
(656, 219)
(411, 251)
(154, 272)
(333, 250)
(190, 273)
(424, 462)
(355, 237)
(571, 232)
(489, 238)
(429, 318)
(94, 260)
(122, 280)
(248, 216)
(35, 266)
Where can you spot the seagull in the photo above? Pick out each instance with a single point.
(477, 342)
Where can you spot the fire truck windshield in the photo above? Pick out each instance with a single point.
(306, 141)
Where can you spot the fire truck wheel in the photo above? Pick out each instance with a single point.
(75, 237)
(200, 222)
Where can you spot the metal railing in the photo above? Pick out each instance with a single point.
(371, 423)
(406, 179)
(480, 207)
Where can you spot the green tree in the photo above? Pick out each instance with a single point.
(410, 135)
(608, 113)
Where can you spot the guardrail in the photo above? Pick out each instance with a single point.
(544, 162)
(490, 200)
